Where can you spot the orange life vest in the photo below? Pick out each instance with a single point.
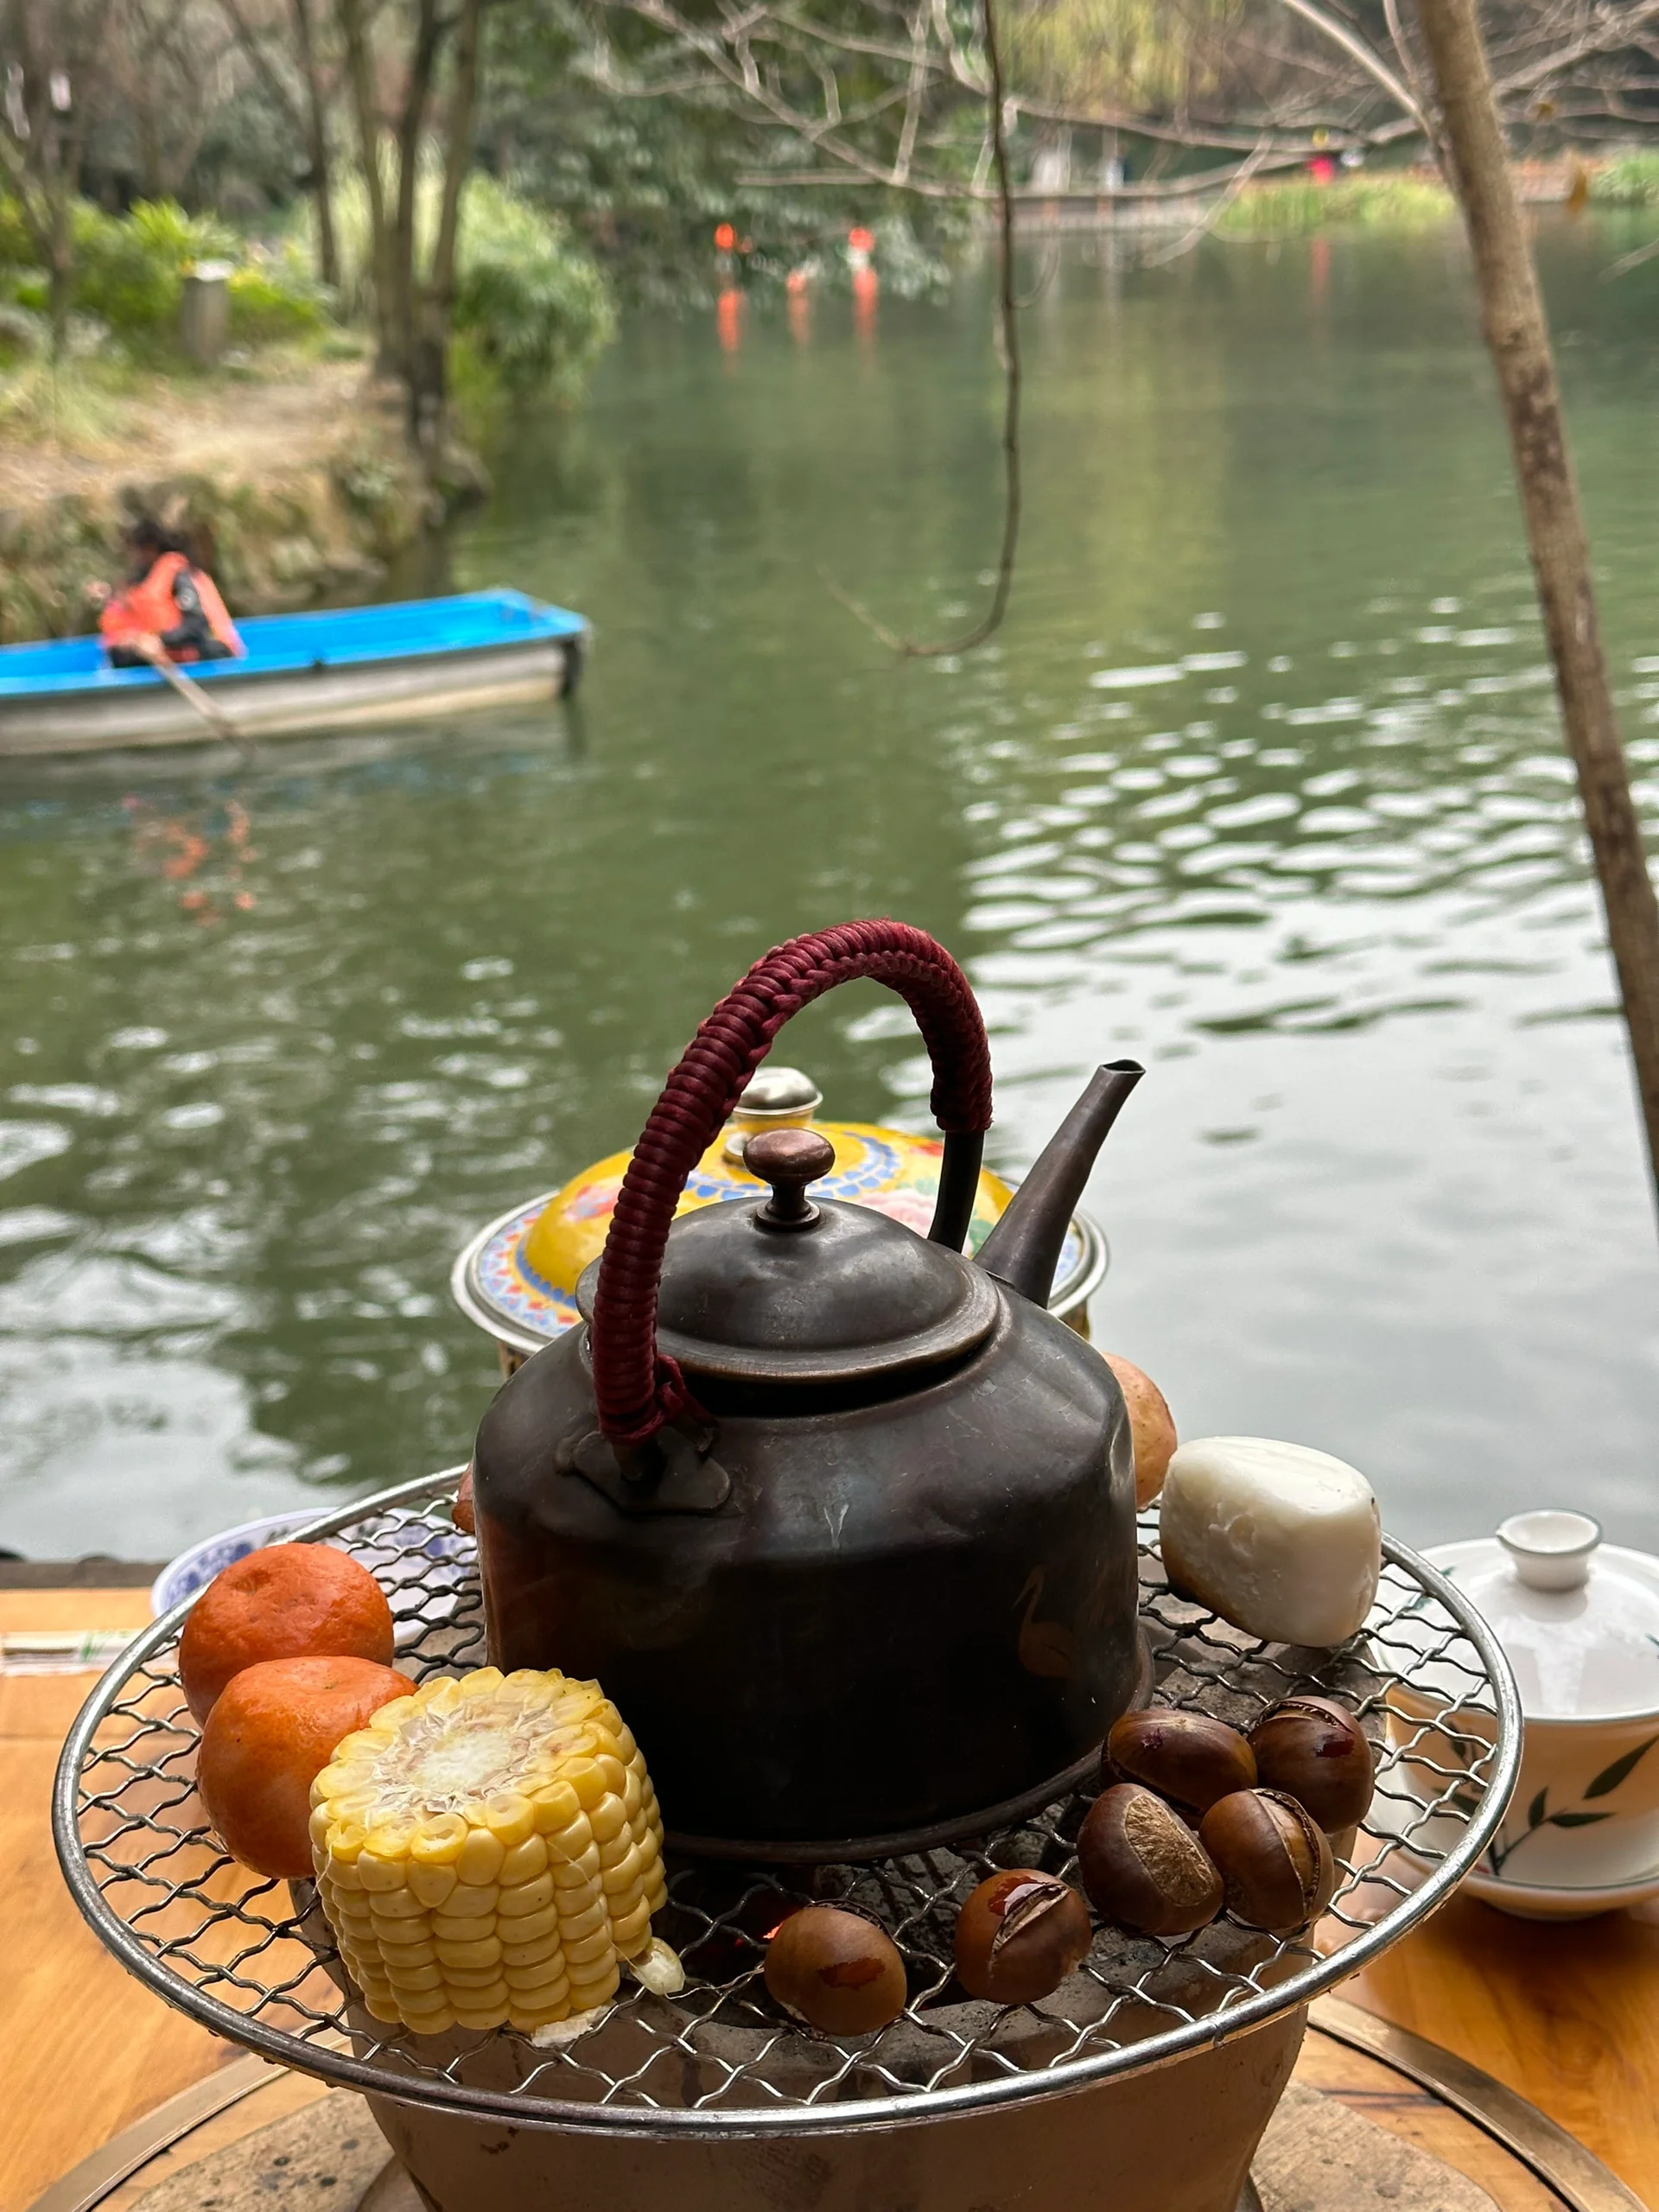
(148, 608)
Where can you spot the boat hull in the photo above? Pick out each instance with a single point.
(96, 710)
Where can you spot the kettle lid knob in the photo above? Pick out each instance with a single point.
(789, 1160)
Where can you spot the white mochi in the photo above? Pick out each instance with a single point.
(1283, 1542)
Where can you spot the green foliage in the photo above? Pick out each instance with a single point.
(1387, 199)
(129, 273)
(1133, 53)
(1631, 180)
(534, 307)
(131, 269)
(533, 310)
(272, 303)
(642, 182)
(16, 244)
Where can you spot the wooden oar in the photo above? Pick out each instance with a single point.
(197, 700)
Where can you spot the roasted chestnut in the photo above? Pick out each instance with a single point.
(1019, 1935)
(1273, 1858)
(1316, 1753)
(1185, 1757)
(835, 1970)
(1143, 1866)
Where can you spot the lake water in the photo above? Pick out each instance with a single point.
(1262, 784)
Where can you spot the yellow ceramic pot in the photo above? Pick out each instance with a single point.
(518, 1277)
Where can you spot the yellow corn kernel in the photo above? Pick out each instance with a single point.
(471, 1900)
(572, 1926)
(481, 1855)
(484, 1952)
(433, 1885)
(410, 1981)
(526, 1958)
(630, 1930)
(590, 1950)
(438, 1840)
(579, 1874)
(528, 1897)
(524, 1862)
(395, 1904)
(585, 1778)
(621, 1880)
(609, 1819)
(532, 1928)
(556, 1806)
(487, 1851)
(512, 1818)
(585, 1995)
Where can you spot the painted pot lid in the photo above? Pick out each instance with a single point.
(1578, 1619)
(518, 1277)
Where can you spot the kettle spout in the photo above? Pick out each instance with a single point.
(1024, 1248)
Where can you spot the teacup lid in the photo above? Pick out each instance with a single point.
(1579, 1619)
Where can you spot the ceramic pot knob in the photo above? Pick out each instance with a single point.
(1551, 1549)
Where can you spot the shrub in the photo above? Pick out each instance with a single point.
(16, 247)
(1630, 181)
(131, 269)
(269, 303)
(1390, 199)
(535, 309)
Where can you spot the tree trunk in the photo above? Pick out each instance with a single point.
(1512, 314)
(430, 402)
(316, 132)
(360, 69)
(405, 238)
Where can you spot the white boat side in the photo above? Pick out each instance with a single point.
(282, 702)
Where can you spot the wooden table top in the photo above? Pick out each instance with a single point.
(1566, 2014)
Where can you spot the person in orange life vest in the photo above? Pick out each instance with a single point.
(166, 607)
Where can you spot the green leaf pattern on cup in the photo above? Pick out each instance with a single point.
(1539, 1816)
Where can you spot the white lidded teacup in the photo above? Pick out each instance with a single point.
(1579, 1620)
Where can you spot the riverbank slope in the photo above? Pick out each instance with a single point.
(291, 484)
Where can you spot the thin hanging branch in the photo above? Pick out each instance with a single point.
(1517, 333)
(1008, 324)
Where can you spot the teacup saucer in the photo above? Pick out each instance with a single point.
(1527, 1901)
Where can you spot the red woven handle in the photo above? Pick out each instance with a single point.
(637, 1390)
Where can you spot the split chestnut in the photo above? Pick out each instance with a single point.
(1273, 1858)
(1019, 1935)
(1143, 1866)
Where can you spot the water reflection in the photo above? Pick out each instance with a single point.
(1262, 784)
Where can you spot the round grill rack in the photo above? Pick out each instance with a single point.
(253, 1960)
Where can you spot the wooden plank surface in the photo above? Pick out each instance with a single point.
(1567, 2015)
(1563, 2012)
(87, 2049)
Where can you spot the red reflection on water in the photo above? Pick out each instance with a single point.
(179, 847)
(797, 286)
(729, 319)
(1320, 267)
(866, 286)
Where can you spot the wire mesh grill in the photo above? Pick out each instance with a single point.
(255, 1960)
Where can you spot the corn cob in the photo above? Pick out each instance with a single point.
(487, 1851)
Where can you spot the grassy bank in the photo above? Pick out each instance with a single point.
(290, 484)
(1293, 206)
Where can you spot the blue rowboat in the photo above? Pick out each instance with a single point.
(338, 669)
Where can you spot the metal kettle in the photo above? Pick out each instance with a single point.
(843, 1521)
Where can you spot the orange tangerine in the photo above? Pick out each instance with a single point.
(286, 1601)
(271, 1733)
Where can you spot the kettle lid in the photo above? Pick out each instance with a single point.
(791, 1289)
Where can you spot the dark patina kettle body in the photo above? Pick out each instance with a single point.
(843, 1521)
